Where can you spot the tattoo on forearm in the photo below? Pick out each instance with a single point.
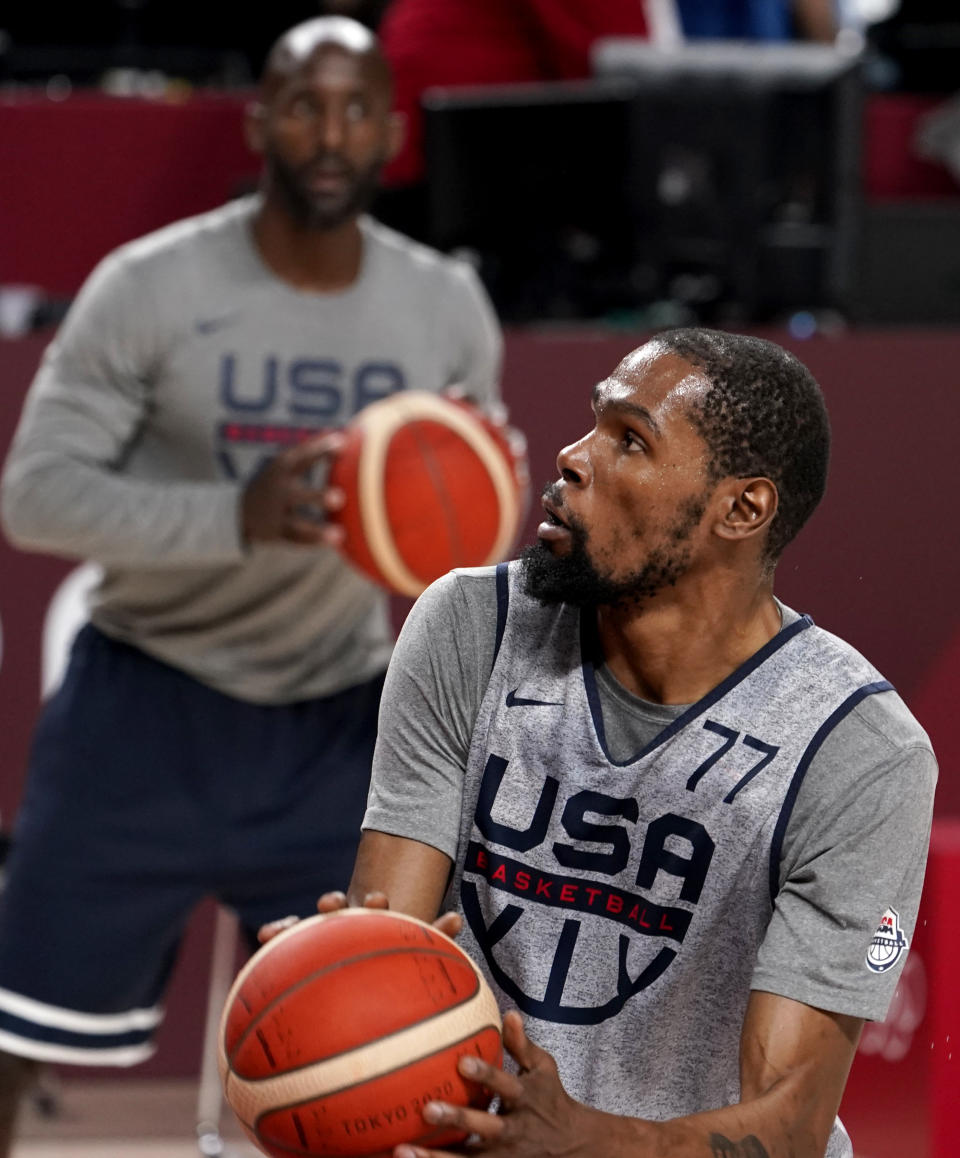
(749, 1147)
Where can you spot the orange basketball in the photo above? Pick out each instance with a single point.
(338, 1031)
(430, 484)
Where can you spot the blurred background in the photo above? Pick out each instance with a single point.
(610, 161)
(610, 167)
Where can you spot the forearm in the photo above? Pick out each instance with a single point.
(768, 1127)
(64, 489)
(412, 875)
(78, 510)
(794, 1065)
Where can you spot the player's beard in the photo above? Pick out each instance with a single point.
(575, 578)
(322, 211)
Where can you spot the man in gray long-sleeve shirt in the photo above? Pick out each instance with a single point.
(215, 728)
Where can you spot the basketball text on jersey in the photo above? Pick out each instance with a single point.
(888, 943)
(620, 861)
(283, 401)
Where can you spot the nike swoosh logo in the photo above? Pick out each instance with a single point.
(211, 325)
(515, 701)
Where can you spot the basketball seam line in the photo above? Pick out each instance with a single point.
(428, 458)
(376, 1077)
(301, 1085)
(251, 1029)
(422, 405)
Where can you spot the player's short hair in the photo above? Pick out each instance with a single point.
(294, 48)
(764, 415)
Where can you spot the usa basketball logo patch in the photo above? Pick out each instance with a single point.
(888, 943)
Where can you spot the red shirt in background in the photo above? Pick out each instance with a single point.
(471, 42)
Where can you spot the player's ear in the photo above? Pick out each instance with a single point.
(253, 126)
(747, 507)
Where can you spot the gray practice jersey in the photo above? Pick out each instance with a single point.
(629, 872)
(183, 365)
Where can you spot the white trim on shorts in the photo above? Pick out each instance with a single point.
(70, 1020)
(125, 1055)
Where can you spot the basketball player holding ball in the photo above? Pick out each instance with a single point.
(683, 826)
(215, 729)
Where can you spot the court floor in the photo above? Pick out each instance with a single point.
(132, 1118)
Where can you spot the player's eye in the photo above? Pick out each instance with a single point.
(301, 107)
(632, 441)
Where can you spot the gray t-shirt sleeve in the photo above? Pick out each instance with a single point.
(436, 680)
(64, 490)
(472, 327)
(856, 845)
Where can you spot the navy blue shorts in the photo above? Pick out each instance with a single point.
(148, 791)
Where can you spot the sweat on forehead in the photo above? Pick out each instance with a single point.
(339, 33)
(654, 365)
(640, 360)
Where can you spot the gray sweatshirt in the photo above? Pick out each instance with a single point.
(183, 365)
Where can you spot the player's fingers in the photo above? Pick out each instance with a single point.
(407, 1151)
(334, 499)
(449, 923)
(332, 535)
(332, 902)
(498, 414)
(517, 442)
(487, 1127)
(300, 494)
(522, 1049)
(376, 900)
(306, 506)
(305, 532)
(498, 1081)
(268, 931)
(310, 533)
(312, 450)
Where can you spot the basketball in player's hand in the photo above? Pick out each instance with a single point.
(430, 484)
(339, 1030)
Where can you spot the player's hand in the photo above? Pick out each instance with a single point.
(448, 923)
(280, 505)
(537, 1116)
